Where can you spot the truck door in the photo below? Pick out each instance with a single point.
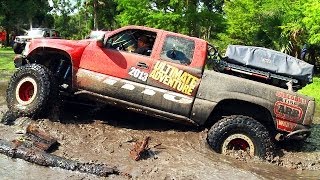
(175, 75)
(117, 70)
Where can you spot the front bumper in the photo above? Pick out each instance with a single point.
(18, 60)
(300, 134)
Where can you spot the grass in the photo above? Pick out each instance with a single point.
(6, 59)
(313, 90)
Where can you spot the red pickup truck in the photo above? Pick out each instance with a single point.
(169, 81)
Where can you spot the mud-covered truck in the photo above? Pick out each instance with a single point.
(247, 99)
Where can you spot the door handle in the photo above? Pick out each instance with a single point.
(142, 65)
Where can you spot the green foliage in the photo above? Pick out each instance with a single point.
(283, 25)
(6, 59)
(15, 16)
(21, 12)
(192, 17)
(313, 90)
(76, 20)
(312, 21)
(252, 22)
(64, 23)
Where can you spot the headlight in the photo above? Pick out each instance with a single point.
(26, 49)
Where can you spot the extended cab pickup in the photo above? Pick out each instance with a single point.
(170, 81)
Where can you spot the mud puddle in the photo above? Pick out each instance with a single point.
(176, 152)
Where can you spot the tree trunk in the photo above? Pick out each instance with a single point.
(30, 22)
(95, 15)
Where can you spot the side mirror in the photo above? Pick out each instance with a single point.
(100, 42)
(109, 43)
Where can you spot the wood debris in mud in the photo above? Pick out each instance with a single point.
(46, 159)
(32, 147)
(139, 148)
(39, 138)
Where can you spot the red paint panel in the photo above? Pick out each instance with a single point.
(111, 62)
(285, 125)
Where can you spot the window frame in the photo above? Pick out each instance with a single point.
(189, 56)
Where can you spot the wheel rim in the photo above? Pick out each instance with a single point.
(238, 142)
(26, 91)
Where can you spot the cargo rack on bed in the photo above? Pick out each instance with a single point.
(227, 65)
(283, 81)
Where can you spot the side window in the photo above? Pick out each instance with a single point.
(46, 34)
(134, 41)
(178, 50)
(54, 33)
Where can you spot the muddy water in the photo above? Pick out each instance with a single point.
(175, 152)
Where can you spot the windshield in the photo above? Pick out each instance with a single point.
(35, 33)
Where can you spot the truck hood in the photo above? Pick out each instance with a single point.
(29, 37)
(23, 39)
(72, 47)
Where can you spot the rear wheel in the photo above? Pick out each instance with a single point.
(240, 133)
(31, 91)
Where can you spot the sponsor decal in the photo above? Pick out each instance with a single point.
(174, 97)
(175, 78)
(138, 74)
(177, 99)
(291, 99)
(266, 60)
(285, 125)
(287, 111)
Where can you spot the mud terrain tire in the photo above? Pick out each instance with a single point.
(31, 91)
(8, 118)
(240, 133)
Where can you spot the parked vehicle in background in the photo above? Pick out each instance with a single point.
(181, 78)
(97, 34)
(35, 33)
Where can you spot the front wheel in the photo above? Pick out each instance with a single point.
(31, 91)
(240, 133)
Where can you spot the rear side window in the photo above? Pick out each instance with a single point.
(178, 50)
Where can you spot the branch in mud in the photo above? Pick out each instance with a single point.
(46, 159)
(140, 148)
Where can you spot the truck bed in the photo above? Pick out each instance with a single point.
(258, 75)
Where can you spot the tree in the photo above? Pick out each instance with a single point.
(192, 17)
(267, 23)
(103, 13)
(62, 10)
(21, 13)
(311, 20)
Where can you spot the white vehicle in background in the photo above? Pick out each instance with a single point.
(35, 33)
(97, 34)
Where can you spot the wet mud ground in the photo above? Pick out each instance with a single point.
(176, 152)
